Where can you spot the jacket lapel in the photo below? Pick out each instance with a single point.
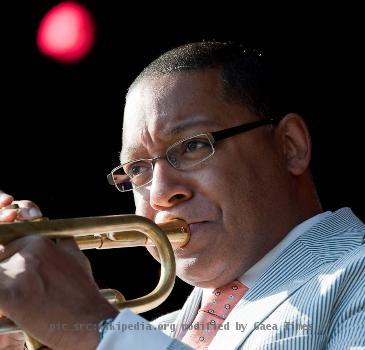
(303, 259)
(187, 314)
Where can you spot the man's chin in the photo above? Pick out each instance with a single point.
(194, 272)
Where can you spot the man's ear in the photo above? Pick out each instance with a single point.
(294, 138)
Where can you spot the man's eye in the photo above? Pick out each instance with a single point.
(192, 146)
(136, 169)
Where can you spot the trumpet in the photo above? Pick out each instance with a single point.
(106, 232)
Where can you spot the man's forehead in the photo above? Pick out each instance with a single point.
(165, 107)
(147, 105)
(167, 91)
(169, 125)
(161, 110)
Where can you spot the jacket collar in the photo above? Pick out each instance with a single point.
(307, 256)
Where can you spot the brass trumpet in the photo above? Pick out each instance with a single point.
(105, 232)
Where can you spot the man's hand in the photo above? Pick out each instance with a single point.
(26, 211)
(48, 290)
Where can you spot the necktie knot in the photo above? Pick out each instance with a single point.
(213, 313)
(223, 299)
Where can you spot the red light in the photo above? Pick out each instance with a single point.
(66, 32)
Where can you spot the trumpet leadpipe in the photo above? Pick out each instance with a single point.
(95, 232)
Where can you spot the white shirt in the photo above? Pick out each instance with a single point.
(252, 275)
(131, 331)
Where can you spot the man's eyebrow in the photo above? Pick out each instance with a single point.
(178, 129)
(174, 131)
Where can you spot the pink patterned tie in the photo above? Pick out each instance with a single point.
(213, 313)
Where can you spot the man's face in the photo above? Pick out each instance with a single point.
(230, 199)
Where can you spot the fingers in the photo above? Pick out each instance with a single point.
(67, 245)
(41, 244)
(8, 215)
(25, 211)
(35, 242)
(5, 199)
(30, 246)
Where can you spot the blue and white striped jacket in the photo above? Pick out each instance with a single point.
(311, 297)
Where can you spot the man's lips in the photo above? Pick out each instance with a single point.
(196, 222)
(198, 239)
(188, 222)
(195, 226)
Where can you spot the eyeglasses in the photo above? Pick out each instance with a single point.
(181, 155)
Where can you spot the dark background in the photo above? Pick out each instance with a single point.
(61, 124)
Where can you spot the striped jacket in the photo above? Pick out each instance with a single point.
(311, 297)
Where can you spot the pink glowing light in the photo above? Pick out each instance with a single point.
(66, 33)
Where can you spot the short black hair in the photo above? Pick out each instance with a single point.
(248, 76)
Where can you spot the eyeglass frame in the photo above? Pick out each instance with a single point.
(213, 137)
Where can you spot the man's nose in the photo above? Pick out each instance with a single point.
(168, 187)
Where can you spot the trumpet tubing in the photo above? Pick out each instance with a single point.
(106, 232)
(98, 232)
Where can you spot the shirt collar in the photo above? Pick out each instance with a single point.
(253, 273)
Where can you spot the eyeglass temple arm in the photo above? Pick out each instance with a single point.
(220, 135)
(110, 179)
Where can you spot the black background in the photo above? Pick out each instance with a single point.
(61, 124)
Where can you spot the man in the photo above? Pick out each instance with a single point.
(205, 140)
